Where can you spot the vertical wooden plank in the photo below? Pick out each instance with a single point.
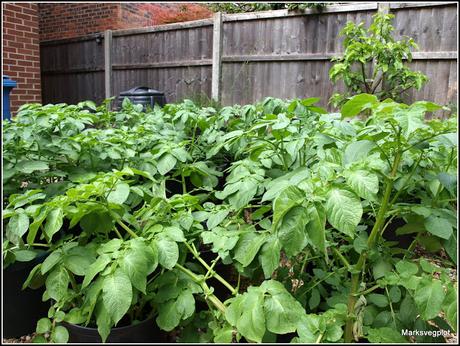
(108, 63)
(383, 7)
(217, 57)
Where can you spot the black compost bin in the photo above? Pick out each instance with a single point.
(142, 95)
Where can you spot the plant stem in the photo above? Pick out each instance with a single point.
(369, 290)
(118, 233)
(213, 273)
(211, 269)
(370, 244)
(341, 257)
(184, 186)
(209, 296)
(319, 338)
(127, 229)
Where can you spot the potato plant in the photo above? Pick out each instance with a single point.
(272, 222)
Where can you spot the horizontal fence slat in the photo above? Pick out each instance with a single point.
(165, 27)
(394, 6)
(328, 56)
(73, 70)
(183, 64)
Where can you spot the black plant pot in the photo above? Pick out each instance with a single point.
(146, 331)
(21, 308)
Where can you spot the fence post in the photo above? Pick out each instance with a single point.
(217, 57)
(108, 63)
(383, 7)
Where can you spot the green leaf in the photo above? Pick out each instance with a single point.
(357, 151)
(282, 310)
(95, 268)
(357, 104)
(408, 311)
(395, 294)
(286, 200)
(119, 194)
(43, 325)
(450, 308)
(385, 335)
(248, 246)
(269, 256)
(28, 167)
(51, 261)
(31, 277)
(17, 227)
(216, 218)
(75, 316)
(406, 268)
(185, 304)
(410, 120)
(246, 190)
(377, 299)
(316, 226)
(363, 183)
(57, 283)
(174, 233)
(78, 260)
(168, 253)
(60, 335)
(135, 264)
(117, 294)
(166, 163)
(380, 268)
(54, 222)
(247, 314)
(428, 298)
(24, 255)
(439, 227)
(291, 231)
(103, 321)
(344, 211)
(168, 316)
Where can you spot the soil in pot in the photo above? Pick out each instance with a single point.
(21, 308)
(146, 331)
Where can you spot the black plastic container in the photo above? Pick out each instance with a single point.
(21, 308)
(146, 331)
(142, 95)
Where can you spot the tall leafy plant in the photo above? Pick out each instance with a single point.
(374, 62)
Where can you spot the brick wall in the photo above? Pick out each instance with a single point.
(65, 20)
(21, 52)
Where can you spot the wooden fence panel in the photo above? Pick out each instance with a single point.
(177, 62)
(72, 70)
(278, 53)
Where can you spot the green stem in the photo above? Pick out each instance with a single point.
(72, 280)
(184, 186)
(409, 177)
(209, 296)
(370, 244)
(369, 290)
(319, 338)
(214, 274)
(127, 229)
(211, 269)
(118, 233)
(391, 307)
(341, 257)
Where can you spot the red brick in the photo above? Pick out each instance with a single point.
(23, 16)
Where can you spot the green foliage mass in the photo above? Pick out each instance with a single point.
(374, 62)
(248, 223)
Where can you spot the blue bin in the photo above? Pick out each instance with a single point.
(8, 85)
